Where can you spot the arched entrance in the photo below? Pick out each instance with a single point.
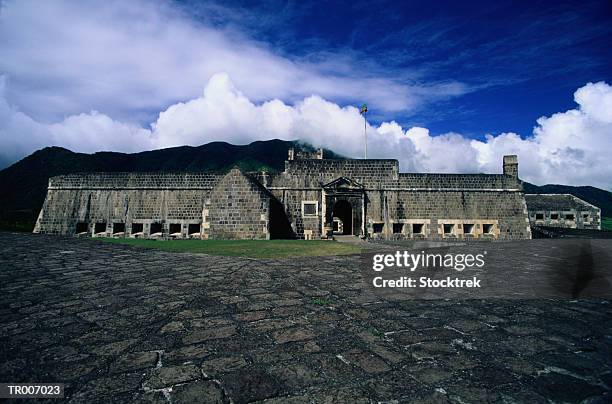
(343, 210)
(344, 201)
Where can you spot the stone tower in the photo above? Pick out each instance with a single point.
(511, 165)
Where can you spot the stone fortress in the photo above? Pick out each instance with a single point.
(312, 198)
(562, 210)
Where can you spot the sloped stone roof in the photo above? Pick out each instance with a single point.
(122, 180)
(555, 202)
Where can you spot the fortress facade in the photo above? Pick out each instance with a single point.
(312, 198)
(562, 210)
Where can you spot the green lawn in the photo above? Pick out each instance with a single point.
(245, 248)
(606, 223)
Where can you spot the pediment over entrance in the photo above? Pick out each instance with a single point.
(343, 183)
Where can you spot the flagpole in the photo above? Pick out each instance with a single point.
(363, 109)
(365, 135)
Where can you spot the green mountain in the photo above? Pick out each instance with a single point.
(24, 184)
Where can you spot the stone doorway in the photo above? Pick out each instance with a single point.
(343, 210)
(344, 206)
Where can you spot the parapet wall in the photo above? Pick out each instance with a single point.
(140, 180)
(492, 182)
(382, 174)
(371, 173)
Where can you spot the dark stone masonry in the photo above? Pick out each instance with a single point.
(120, 324)
(312, 198)
(237, 208)
(562, 210)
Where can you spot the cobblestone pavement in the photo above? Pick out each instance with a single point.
(119, 324)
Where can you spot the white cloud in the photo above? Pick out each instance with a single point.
(132, 59)
(93, 132)
(20, 134)
(596, 101)
(224, 113)
(569, 147)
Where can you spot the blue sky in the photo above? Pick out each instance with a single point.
(517, 61)
(451, 86)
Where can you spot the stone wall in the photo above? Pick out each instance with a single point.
(492, 182)
(504, 210)
(303, 181)
(302, 226)
(391, 214)
(271, 205)
(140, 180)
(562, 210)
(313, 172)
(156, 202)
(492, 201)
(65, 208)
(237, 208)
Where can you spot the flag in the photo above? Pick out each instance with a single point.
(363, 109)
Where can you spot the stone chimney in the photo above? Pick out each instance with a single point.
(511, 165)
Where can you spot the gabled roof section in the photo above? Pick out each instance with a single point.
(343, 182)
(558, 202)
(236, 175)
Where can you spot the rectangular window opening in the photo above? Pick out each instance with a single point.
(398, 228)
(468, 228)
(137, 228)
(539, 216)
(554, 216)
(100, 227)
(585, 216)
(175, 228)
(118, 228)
(448, 228)
(194, 228)
(569, 216)
(82, 227)
(487, 228)
(417, 228)
(309, 208)
(378, 227)
(156, 228)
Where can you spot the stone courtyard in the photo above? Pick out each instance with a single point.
(120, 324)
